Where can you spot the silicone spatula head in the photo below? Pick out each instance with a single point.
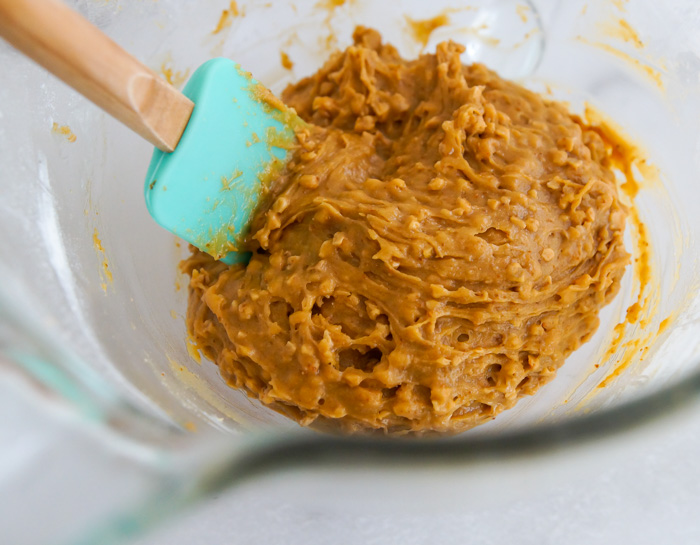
(236, 140)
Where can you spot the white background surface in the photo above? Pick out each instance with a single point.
(649, 493)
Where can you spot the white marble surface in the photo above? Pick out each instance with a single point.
(650, 494)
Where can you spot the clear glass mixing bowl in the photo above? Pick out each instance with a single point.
(92, 304)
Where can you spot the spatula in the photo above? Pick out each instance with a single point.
(218, 143)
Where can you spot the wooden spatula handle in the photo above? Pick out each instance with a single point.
(71, 48)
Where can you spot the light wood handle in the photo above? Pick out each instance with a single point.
(71, 48)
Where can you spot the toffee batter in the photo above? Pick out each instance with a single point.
(440, 243)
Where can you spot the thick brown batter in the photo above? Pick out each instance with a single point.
(442, 240)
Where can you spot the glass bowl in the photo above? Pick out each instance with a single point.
(92, 303)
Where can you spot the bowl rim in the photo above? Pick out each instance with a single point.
(294, 450)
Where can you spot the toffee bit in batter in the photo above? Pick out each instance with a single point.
(441, 241)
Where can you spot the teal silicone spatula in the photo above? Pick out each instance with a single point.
(218, 142)
(236, 140)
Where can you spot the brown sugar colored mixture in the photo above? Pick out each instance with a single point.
(442, 240)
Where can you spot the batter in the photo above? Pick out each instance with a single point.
(442, 240)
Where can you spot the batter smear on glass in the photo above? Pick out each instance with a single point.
(441, 241)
